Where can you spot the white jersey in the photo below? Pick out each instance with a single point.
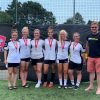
(50, 52)
(37, 50)
(62, 50)
(25, 48)
(13, 52)
(75, 53)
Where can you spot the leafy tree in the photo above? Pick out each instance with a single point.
(5, 18)
(77, 19)
(30, 13)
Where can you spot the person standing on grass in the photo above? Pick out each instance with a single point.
(37, 56)
(49, 57)
(62, 58)
(76, 61)
(93, 50)
(25, 45)
(12, 58)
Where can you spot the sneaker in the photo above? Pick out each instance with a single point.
(60, 86)
(37, 85)
(65, 87)
(10, 87)
(76, 87)
(71, 86)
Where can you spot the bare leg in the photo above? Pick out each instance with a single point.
(71, 76)
(60, 73)
(22, 73)
(65, 73)
(15, 73)
(91, 78)
(10, 71)
(98, 83)
(45, 74)
(79, 77)
(26, 71)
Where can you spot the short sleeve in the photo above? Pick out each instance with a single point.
(6, 46)
(82, 48)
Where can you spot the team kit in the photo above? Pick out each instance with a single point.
(42, 54)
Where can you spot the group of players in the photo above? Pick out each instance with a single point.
(68, 55)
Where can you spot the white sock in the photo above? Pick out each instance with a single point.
(72, 82)
(60, 81)
(78, 83)
(65, 82)
(39, 81)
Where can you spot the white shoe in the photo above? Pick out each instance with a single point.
(37, 85)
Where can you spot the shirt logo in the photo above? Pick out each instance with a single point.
(93, 39)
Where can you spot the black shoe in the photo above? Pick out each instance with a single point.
(76, 87)
(71, 86)
(60, 86)
(65, 87)
(25, 86)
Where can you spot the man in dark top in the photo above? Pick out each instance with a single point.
(93, 50)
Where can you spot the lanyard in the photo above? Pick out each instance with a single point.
(74, 45)
(25, 41)
(15, 44)
(62, 44)
(36, 43)
(50, 42)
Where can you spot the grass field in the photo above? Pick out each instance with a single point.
(45, 93)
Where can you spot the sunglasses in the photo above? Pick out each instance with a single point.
(94, 27)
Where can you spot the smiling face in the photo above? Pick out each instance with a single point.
(76, 37)
(25, 32)
(62, 35)
(14, 36)
(36, 34)
(50, 33)
(94, 28)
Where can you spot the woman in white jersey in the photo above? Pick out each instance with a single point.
(62, 58)
(25, 46)
(37, 55)
(76, 61)
(12, 59)
(49, 57)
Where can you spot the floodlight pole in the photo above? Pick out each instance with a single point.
(16, 11)
(74, 11)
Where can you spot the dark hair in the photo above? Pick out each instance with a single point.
(14, 31)
(50, 28)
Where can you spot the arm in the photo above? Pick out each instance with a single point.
(5, 56)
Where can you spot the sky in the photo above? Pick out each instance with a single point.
(63, 9)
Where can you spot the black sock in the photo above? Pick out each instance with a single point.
(52, 77)
(45, 77)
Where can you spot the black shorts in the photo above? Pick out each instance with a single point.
(62, 61)
(76, 66)
(13, 64)
(25, 59)
(35, 61)
(49, 61)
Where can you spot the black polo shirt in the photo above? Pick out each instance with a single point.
(94, 45)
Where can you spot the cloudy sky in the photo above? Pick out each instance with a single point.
(63, 9)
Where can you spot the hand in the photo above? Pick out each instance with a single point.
(5, 61)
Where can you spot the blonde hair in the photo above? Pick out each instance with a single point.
(94, 23)
(65, 33)
(26, 29)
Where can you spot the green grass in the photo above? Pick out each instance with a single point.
(45, 93)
